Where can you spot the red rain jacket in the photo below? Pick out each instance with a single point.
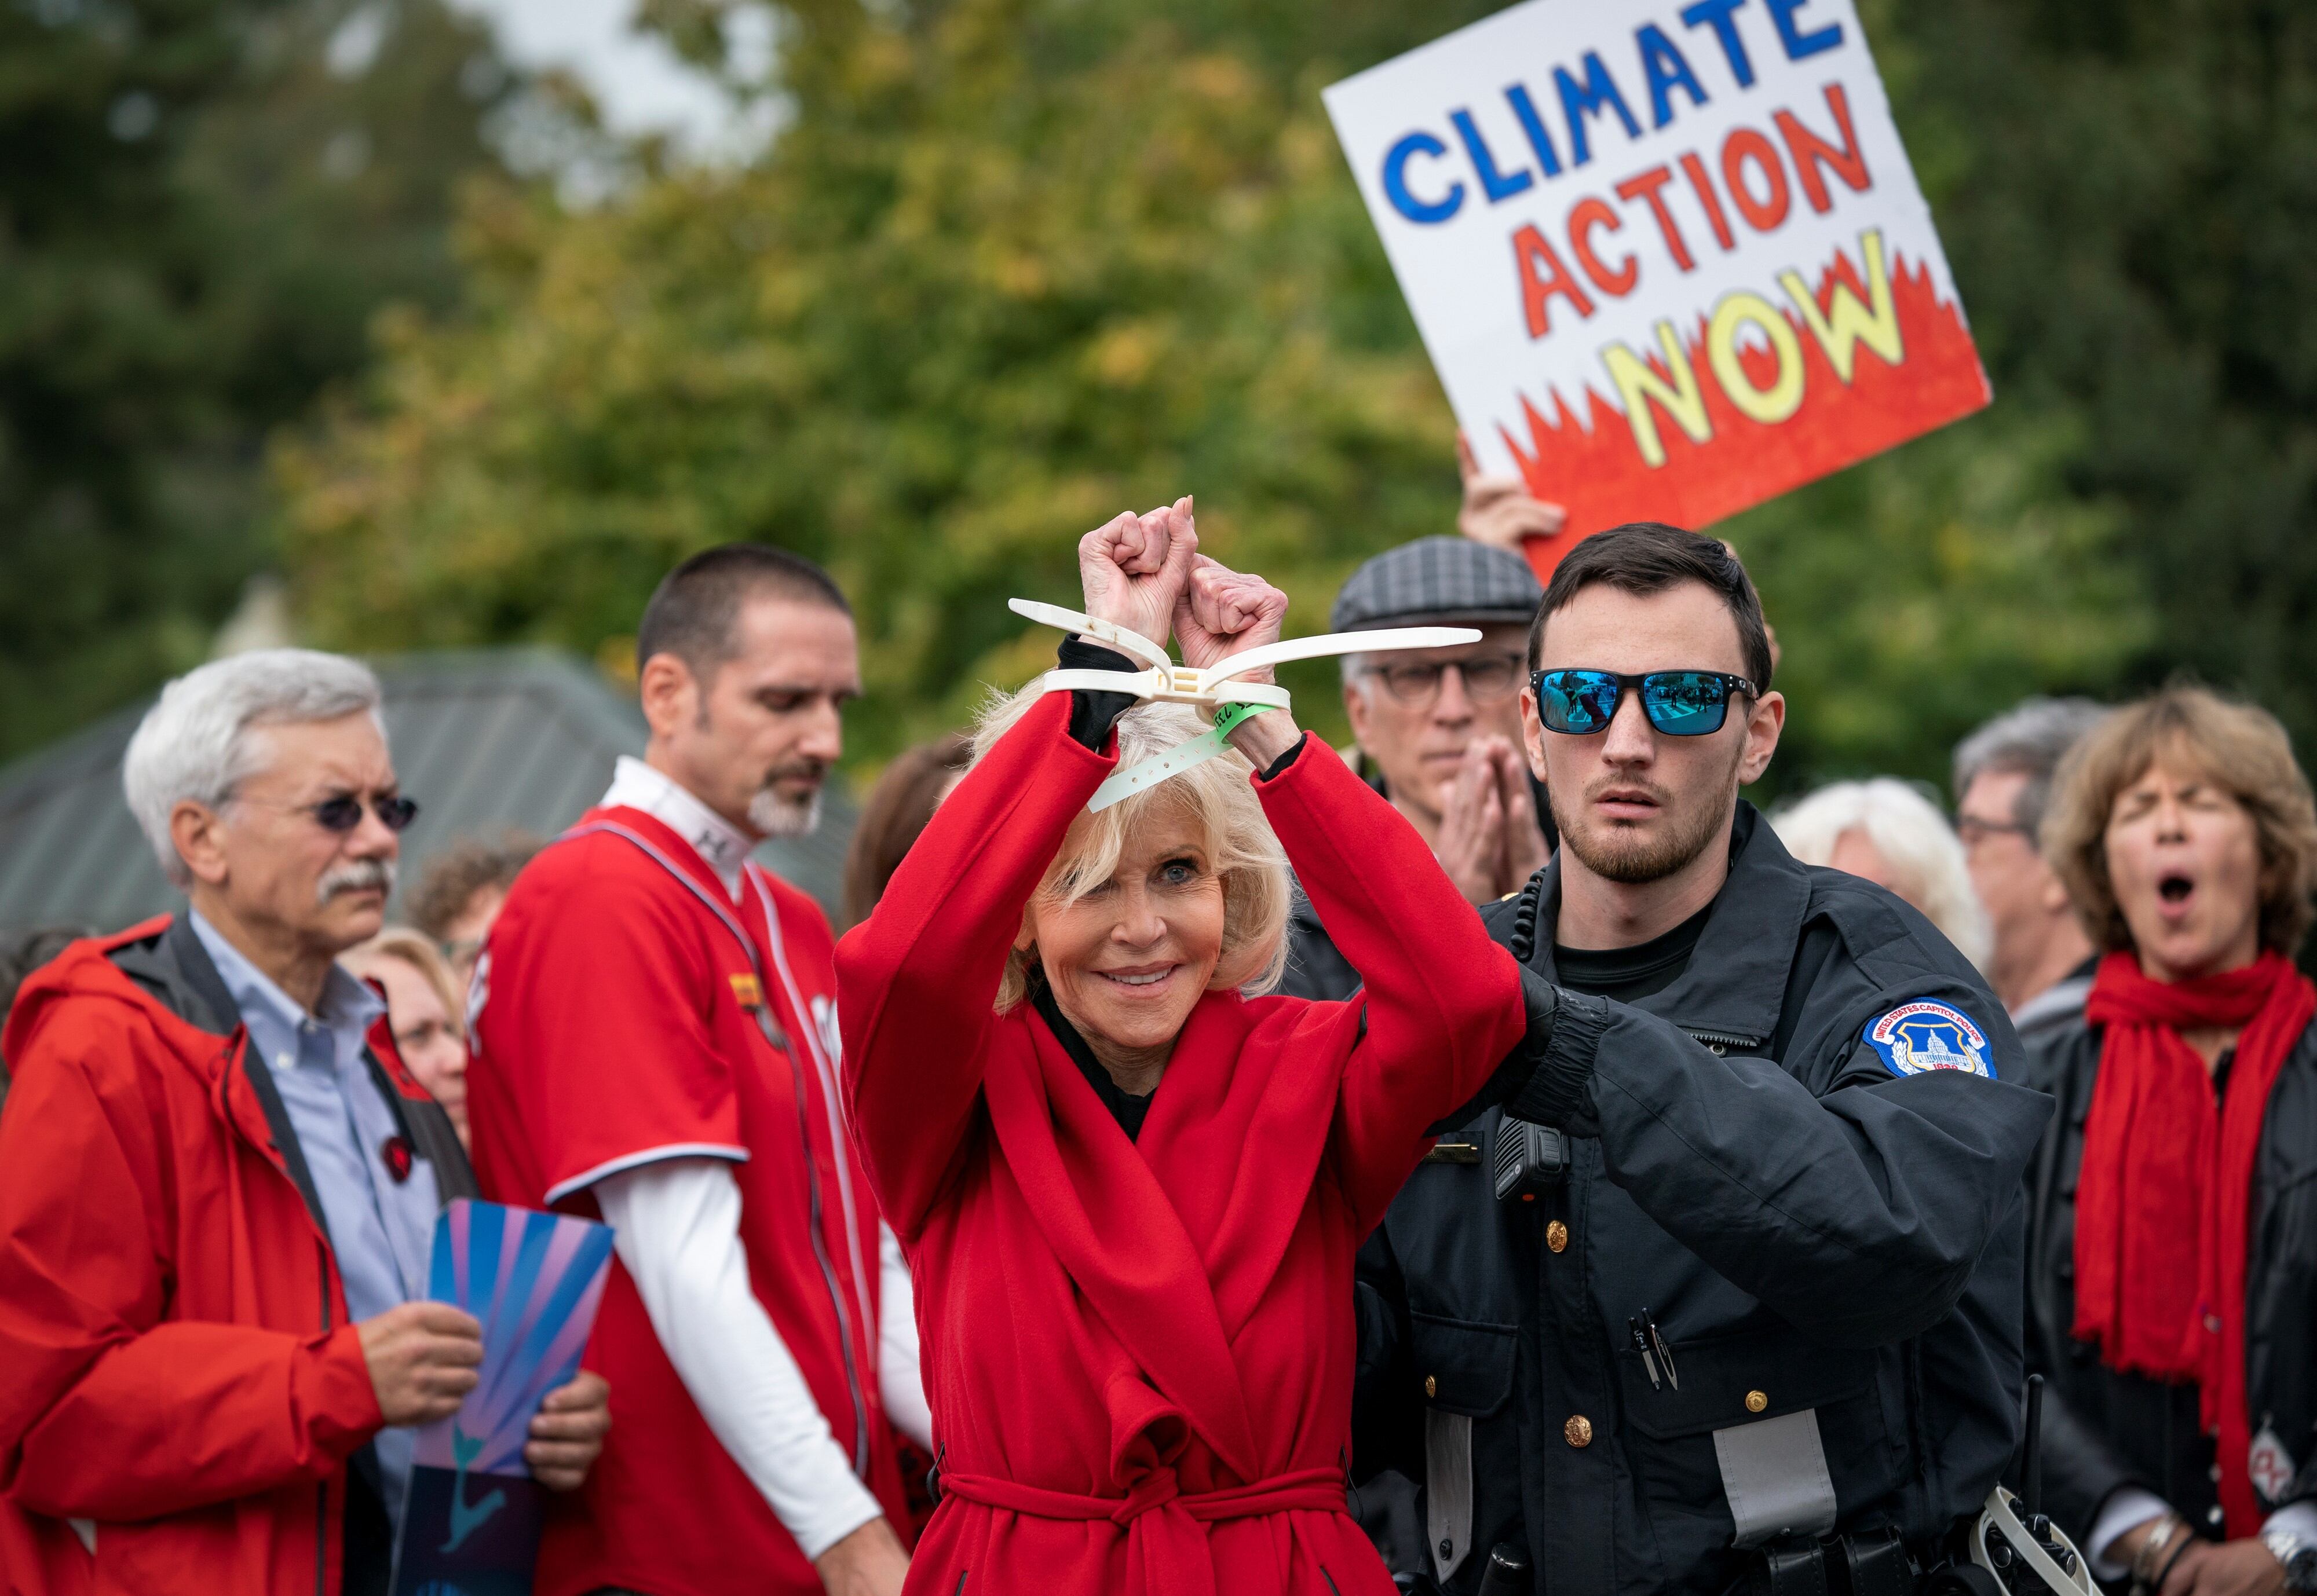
(183, 1388)
(1140, 1354)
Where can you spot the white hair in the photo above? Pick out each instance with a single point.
(1906, 829)
(195, 742)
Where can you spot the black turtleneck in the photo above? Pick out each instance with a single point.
(1124, 1107)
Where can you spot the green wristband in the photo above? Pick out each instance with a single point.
(1182, 757)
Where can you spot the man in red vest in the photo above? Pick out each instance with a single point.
(655, 1042)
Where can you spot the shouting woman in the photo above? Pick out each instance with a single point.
(1132, 1187)
(2172, 1231)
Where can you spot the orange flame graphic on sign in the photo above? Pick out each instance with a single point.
(1600, 474)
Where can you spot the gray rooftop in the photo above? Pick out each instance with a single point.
(486, 741)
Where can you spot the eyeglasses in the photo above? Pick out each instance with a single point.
(1487, 681)
(342, 813)
(1971, 831)
(1678, 703)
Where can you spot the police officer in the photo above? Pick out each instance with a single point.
(1723, 1283)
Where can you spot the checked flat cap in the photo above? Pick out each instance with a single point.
(1437, 581)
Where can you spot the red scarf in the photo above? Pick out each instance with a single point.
(2164, 1200)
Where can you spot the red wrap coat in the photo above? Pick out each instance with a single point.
(1140, 1353)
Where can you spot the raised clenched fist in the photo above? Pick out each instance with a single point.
(1222, 612)
(1134, 568)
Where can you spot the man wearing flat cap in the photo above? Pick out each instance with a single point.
(1438, 729)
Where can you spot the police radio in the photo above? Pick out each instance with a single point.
(2015, 1541)
(1528, 1156)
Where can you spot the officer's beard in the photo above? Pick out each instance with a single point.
(776, 813)
(1628, 854)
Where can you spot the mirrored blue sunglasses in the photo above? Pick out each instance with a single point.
(1678, 703)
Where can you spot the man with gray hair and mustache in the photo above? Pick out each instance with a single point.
(221, 1183)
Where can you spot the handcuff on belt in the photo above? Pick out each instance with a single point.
(1217, 688)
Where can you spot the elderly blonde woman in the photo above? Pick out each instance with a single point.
(2172, 1217)
(1132, 1187)
(1889, 833)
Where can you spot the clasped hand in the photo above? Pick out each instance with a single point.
(1145, 573)
(1490, 842)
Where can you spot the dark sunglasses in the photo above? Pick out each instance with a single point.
(1678, 703)
(344, 812)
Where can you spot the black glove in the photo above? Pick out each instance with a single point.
(1556, 1057)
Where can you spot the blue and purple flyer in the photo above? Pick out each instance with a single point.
(471, 1522)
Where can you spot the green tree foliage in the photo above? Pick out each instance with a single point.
(201, 204)
(2129, 193)
(1918, 592)
(1010, 269)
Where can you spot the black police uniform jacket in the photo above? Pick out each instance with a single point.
(2104, 1429)
(1809, 1229)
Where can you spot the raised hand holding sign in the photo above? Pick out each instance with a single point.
(1498, 509)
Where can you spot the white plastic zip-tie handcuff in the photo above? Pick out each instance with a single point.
(1216, 688)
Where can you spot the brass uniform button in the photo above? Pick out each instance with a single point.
(1578, 1431)
(1556, 1236)
(1756, 1401)
(1431, 1386)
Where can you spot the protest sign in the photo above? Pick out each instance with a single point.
(1669, 257)
(470, 1522)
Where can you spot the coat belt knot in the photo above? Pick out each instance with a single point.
(1169, 1548)
(1155, 1488)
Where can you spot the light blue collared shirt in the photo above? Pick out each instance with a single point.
(380, 1229)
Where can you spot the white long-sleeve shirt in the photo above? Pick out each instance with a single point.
(676, 1228)
(900, 1382)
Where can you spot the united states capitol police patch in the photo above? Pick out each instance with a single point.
(1925, 1035)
